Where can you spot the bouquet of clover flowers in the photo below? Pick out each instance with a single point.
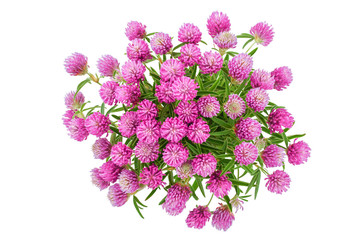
(199, 124)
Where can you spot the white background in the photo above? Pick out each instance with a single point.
(46, 191)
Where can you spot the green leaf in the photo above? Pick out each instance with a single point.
(138, 201)
(253, 52)
(162, 201)
(115, 130)
(81, 85)
(286, 140)
(253, 180)
(193, 191)
(221, 122)
(203, 42)
(245, 35)
(238, 182)
(221, 133)
(296, 136)
(102, 109)
(261, 118)
(137, 207)
(199, 182)
(179, 46)
(193, 74)
(247, 42)
(228, 167)
(227, 200)
(151, 193)
(257, 185)
(202, 93)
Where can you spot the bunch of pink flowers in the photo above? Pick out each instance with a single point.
(184, 122)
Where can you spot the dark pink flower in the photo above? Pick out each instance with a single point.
(135, 30)
(298, 152)
(278, 182)
(198, 217)
(152, 177)
(176, 199)
(222, 218)
(189, 33)
(101, 148)
(116, 196)
(97, 124)
(218, 22)
(121, 154)
(76, 64)
(108, 65)
(219, 185)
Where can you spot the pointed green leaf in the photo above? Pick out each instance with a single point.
(253, 52)
(81, 85)
(228, 167)
(137, 207)
(151, 193)
(199, 182)
(245, 35)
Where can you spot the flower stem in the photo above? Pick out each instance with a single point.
(250, 47)
(210, 199)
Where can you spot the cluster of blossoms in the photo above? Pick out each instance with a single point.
(198, 124)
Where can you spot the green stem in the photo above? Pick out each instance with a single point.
(250, 47)
(210, 199)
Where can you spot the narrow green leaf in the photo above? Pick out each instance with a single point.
(138, 201)
(227, 200)
(253, 52)
(202, 93)
(116, 117)
(137, 207)
(193, 74)
(245, 35)
(221, 133)
(253, 180)
(261, 118)
(199, 182)
(162, 201)
(238, 182)
(193, 192)
(81, 85)
(151, 193)
(102, 109)
(296, 136)
(286, 140)
(221, 122)
(179, 46)
(247, 42)
(228, 167)
(257, 185)
(203, 42)
(115, 130)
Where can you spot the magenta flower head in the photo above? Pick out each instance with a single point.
(219, 185)
(101, 148)
(298, 152)
(184, 88)
(187, 111)
(185, 170)
(262, 79)
(247, 129)
(72, 103)
(257, 99)
(263, 33)
(218, 22)
(138, 50)
(235, 106)
(148, 131)
(278, 182)
(198, 131)
(77, 129)
(222, 218)
(147, 152)
(240, 67)
(109, 171)
(198, 217)
(245, 153)
(173, 129)
(128, 94)
(116, 196)
(164, 92)
(107, 65)
(190, 54)
(121, 154)
(67, 117)
(128, 181)
(152, 177)
(175, 154)
(176, 199)
(208, 106)
(107, 92)
(279, 118)
(128, 124)
(171, 69)
(133, 71)
(97, 180)
(97, 124)
(189, 33)
(76, 64)
(225, 40)
(147, 110)
(283, 77)
(135, 30)
(273, 156)
(210, 62)
(204, 164)
(161, 43)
